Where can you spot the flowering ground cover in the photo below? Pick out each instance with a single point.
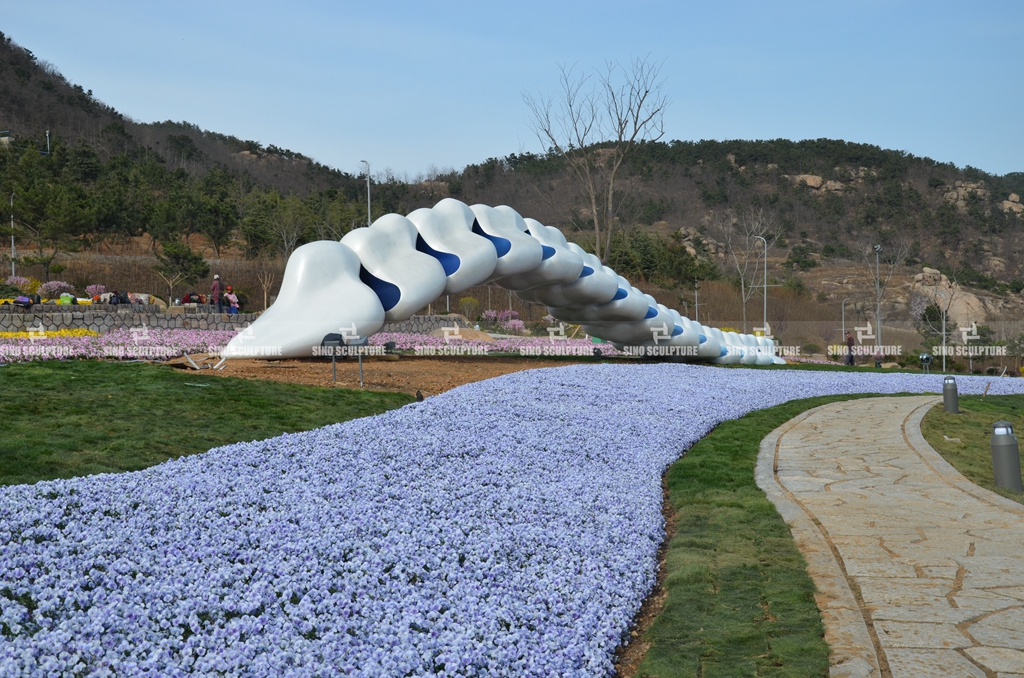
(161, 344)
(142, 343)
(505, 528)
(408, 341)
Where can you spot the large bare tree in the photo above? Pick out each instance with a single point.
(595, 124)
(742, 234)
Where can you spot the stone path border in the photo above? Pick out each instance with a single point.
(919, 571)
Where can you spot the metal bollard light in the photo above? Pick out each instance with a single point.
(1005, 457)
(333, 343)
(950, 399)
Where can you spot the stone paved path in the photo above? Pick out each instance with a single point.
(919, 571)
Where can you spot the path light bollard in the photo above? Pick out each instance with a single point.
(360, 343)
(333, 342)
(926, 362)
(950, 399)
(1006, 457)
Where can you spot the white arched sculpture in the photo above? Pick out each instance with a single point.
(398, 265)
(404, 278)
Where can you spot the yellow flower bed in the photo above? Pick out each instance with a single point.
(79, 332)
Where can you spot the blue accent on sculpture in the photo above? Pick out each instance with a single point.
(388, 293)
(586, 271)
(501, 245)
(548, 252)
(724, 352)
(450, 262)
(620, 294)
(676, 330)
(702, 338)
(651, 313)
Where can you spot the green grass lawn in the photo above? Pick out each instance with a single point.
(74, 418)
(739, 599)
(972, 456)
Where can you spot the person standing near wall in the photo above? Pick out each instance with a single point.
(232, 301)
(849, 349)
(215, 294)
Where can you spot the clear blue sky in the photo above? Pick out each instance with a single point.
(407, 85)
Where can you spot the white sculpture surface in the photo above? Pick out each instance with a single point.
(404, 278)
(398, 265)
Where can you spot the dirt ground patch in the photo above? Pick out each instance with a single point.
(407, 374)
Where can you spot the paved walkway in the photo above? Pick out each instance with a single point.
(919, 571)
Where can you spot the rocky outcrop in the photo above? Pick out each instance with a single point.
(962, 191)
(1013, 204)
(964, 307)
(812, 180)
(695, 243)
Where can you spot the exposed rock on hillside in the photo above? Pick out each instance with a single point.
(1013, 204)
(966, 306)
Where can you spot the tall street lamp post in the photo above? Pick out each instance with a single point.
(368, 218)
(844, 317)
(842, 338)
(878, 298)
(940, 294)
(764, 291)
(12, 235)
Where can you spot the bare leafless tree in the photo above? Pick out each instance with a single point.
(293, 218)
(266, 274)
(595, 125)
(882, 257)
(742, 234)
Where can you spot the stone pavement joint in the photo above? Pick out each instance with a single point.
(919, 571)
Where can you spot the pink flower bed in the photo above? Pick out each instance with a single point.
(121, 344)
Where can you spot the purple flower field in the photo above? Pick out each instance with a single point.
(407, 341)
(142, 343)
(163, 344)
(505, 528)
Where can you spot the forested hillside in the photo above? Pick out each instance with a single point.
(111, 185)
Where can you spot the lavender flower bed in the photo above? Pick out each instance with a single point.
(122, 344)
(505, 528)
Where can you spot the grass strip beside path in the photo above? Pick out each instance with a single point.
(971, 455)
(74, 418)
(739, 599)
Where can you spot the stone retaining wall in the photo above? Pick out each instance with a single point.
(425, 324)
(104, 321)
(95, 308)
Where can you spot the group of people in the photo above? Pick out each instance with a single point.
(223, 297)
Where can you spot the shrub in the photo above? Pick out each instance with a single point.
(17, 281)
(55, 288)
(95, 290)
(811, 348)
(469, 306)
(513, 326)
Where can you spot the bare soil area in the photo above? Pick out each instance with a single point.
(403, 374)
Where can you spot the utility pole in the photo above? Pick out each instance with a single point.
(369, 219)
